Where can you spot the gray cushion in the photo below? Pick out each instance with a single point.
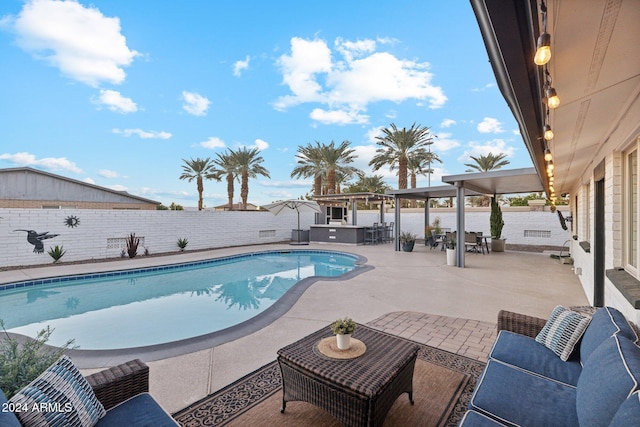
(609, 377)
(562, 331)
(604, 323)
(524, 352)
(476, 419)
(63, 398)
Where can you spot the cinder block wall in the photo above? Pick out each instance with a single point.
(102, 233)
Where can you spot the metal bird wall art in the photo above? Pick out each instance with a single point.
(36, 239)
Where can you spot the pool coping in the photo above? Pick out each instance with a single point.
(95, 358)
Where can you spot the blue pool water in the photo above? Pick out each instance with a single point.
(152, 306)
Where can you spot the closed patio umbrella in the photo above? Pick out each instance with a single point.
(290, 206)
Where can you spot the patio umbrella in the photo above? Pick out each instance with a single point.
(290, 206)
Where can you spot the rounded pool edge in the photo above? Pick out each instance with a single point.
(86, 359)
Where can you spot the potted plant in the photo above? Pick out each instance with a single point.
(343, 328)
(496, 223)
(450, 245)
(407, 240)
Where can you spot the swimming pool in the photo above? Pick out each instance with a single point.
(145, 307)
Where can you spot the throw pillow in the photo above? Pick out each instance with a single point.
(562, 331)
(60, 396)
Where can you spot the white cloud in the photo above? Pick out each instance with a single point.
(80, 41)
(261, 144)
(89, 181)
(117, 187)
(490, 125)
(483, 88)
(447, 123)
(348, 85)
(287, 184)
(340, 117)
(195, 103)
(239, 66)
(212, 143)
(444, 143)
(108, 173)
(114, 101)
(50, 163)
(495, 146)
(143, 133)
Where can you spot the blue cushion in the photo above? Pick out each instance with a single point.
(604, 323)
(63, 396)
(629, 412)
(524, 352)
(562, 331)
(140, 410)
(609, 377)
(516, 397)
(7, 418)
(476, 419)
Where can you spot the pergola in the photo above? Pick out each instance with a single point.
(524, 180)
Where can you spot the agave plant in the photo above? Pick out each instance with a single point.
(56, 253)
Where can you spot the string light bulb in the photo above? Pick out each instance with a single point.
(547, 155)
(548, 133)
(543, 51)
(553, 101)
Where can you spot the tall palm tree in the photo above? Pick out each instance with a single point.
(225, 166)
(336, 161)
(248, 165)
(310, 165)
(397, 146)
(199, 169)
(487, 163)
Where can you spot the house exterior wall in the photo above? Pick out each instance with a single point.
(584, 261)
(30, 188)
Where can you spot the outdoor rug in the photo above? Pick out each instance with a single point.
(442, 386)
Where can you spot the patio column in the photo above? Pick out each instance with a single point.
(354, 212)
(459, 223)
(396, 232)
(382, 211)
(426, 217)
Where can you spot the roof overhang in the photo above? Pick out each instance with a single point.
(424, 193)
(503, 181)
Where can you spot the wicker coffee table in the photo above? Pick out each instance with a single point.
(359, 391)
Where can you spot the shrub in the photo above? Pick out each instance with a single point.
(182, 243)
(132, 245)
(21, 361)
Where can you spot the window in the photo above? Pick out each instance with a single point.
(630, 218)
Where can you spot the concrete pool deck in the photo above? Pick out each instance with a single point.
(414, 295)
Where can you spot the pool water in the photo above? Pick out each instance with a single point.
(153, 306)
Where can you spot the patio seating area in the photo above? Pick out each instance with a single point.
(413, 295)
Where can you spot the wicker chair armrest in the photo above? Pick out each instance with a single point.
(119, 383)
(520, 323)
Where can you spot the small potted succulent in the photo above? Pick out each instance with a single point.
(343, 328)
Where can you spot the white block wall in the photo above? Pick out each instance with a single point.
(159, 229)
(516, 221)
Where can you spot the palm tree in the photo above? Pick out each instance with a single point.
(310, 165)
(248, 165)
(369, 184)
(487, 163)
(336, 161)
(199, 169)
(397, 146)
(226, 166)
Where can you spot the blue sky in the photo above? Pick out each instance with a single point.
(118, 92)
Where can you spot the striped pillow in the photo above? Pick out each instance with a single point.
(562, 331)
(60, 396)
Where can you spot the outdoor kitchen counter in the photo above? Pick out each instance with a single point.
(337, 233)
